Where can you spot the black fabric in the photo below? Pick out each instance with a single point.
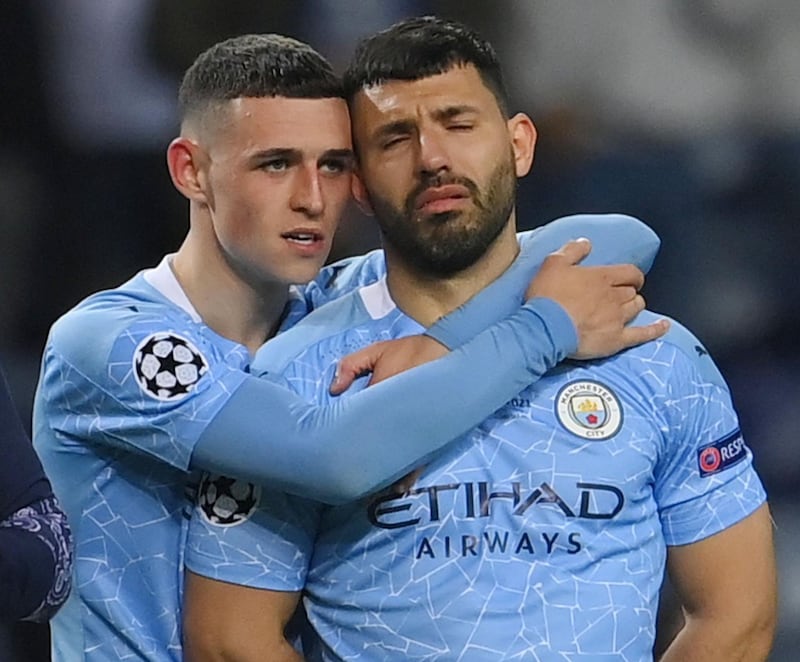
(26, 573)
(22, 479)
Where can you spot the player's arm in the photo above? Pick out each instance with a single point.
(713, 513)
(591, 285)
(230, 623)
(600, 301)
(267, 434)
(727, 587)
(256, 568)
(319, 451)
(618, 244)
(35, 541)
(35, 562)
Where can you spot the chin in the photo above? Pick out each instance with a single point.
(302, 276)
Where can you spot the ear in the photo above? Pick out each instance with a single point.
(360, 194)
(523, 142)
(186, 161)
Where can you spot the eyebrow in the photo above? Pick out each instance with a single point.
(344, 154)
(449, 112)
(292, 153)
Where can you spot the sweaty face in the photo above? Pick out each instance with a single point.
(438, 166)
(278, 178)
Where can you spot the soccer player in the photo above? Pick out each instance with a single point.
(145, 384)
(543, 533)
(35, 539)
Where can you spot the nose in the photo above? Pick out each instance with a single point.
(306, 195)
(433, 156)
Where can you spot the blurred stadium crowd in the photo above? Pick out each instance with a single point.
(684, 113)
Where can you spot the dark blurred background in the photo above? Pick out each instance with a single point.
(684, 113)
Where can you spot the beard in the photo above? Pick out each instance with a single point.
(446, 243)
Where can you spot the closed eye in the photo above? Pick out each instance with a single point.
(393, 141)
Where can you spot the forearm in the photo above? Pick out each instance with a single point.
(715, 640)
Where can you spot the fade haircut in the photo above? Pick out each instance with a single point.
(419, 47)
(255, 66)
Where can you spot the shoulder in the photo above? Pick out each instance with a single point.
(88, 333)
(344, 276)
(679, 347)
(129, 339)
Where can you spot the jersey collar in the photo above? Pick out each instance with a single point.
(163, 279)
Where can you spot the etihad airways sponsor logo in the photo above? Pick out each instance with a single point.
(474, 500)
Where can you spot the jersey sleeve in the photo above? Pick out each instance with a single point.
(616, 239)
(244, 535)
(139, 382)
(705, 481)
(266, 433)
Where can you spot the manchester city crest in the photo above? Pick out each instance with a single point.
(589, 410)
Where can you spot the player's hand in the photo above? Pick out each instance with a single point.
(599, 300)
(385, 359)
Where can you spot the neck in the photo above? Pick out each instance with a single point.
(426, 298)
(227, 302)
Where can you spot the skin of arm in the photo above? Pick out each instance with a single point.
(727, 585)
(251, 625)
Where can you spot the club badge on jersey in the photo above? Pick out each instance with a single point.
(589, 410)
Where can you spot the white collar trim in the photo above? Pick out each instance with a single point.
(163, 279)
(377, 299)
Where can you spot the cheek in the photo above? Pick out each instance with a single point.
(244, 216)
(390, 184)
(336, 195)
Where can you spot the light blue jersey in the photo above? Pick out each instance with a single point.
(130, 380)
(540, 535)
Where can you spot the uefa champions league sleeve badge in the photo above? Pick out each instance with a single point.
(167, 366)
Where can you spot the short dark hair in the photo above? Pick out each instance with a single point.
(419, 47)
(255, 66)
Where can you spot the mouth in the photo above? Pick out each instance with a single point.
(439, 199)
(302, 238)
